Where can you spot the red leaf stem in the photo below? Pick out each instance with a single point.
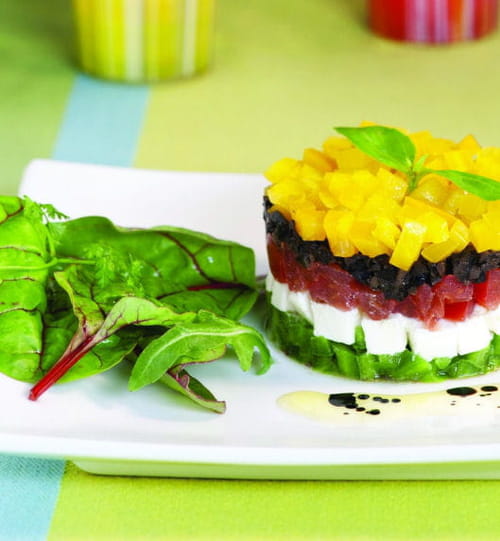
(66, 362)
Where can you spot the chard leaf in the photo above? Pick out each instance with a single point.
(201, 340)
(173, 259)
(485, 188)
(230, 302)
(386, 145)
(24, 253)
(179, 380)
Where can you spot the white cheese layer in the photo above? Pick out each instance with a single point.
(390, 335)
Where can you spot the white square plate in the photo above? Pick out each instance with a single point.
(105, 429)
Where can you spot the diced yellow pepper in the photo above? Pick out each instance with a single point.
(457, 241)
(378, 205)
(392, 185)
(408, 246)
(456, 159)
(335, 143)
(309, 224)
(352, 159)
(469, 144)
(386, 231)
(483, 237)
(318, 160)
(436, 227)
(284, 169)
(433, 189)
(359, 204)
(487, 163)
(337, 226)
(452, 202)
(283, 193)
(341, 187)
(361, 236)
(471, 207)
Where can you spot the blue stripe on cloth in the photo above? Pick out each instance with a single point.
(28, 493)
(102, 124)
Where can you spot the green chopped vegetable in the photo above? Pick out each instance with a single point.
(293, 334)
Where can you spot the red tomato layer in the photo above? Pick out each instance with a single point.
(328, 283)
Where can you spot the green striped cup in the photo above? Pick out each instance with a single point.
(144, 40)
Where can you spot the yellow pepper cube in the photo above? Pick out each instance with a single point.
(319, 160)
(340, 186)
(284, 192)
(409, 244)
(287, 168)
(334, 144)
(352, 159)
(378, 205)
(392, 185)
(471, 207)
(361, 236)
(456, 159)
(469, 144)
(309, 223)
(488, 163)
(432, 189)
(436, 227)
(386, 231)
(452, 202)
(438, 252)
(483, 237)
(337, 224)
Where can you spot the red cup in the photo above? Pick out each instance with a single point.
(433, 21)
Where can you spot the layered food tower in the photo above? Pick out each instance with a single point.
(371, 279)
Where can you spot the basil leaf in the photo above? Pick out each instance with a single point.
(386, 145)
(485, 188)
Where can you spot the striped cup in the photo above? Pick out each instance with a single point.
(433, 21)
(144, 40)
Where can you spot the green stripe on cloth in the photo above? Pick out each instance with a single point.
(105, 508)
(35, 80)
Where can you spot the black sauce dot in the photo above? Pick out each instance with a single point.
(489, 388)
(343, 400)
(346, 413)
(363, 396)
(377, 399)
(396, 400)
(360, 409)
(461, 391)
(485, 394)
(373, 412)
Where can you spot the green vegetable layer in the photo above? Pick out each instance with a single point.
(294, 336)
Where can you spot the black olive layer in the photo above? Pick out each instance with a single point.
(376, 272)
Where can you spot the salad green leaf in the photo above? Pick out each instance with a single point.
(79, 296)
(201, 340)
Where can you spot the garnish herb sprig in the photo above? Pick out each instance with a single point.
(397, 151)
